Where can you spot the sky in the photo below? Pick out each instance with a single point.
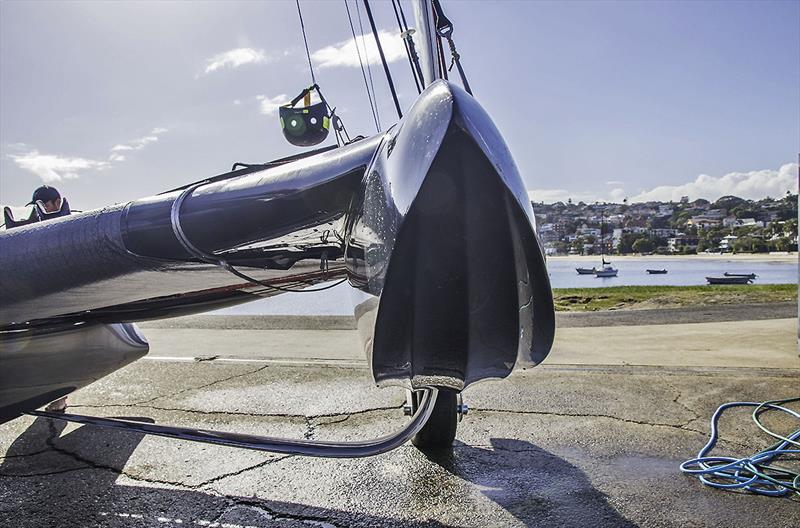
(112, 101)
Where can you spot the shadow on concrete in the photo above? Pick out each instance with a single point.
(44, 482)
(534, 485)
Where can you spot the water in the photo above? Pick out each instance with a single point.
(682, 271)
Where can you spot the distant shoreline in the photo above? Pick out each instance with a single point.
(778, 257)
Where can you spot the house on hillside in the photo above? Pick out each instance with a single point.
(726, 244)
(703, 222)
(679, 244)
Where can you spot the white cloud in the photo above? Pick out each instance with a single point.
(237, 102)
(345, 53)
(140, 143)
(235, 58)
(614, 182)
(752, 185)
(560, 195)
(117, 148)
(269, 105)
(51, 168)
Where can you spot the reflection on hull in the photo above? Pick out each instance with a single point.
(445, 238)
(61, 361)
(431, 219)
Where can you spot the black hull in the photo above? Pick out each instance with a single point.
(445, 240)
(431, 219)
(729, 280)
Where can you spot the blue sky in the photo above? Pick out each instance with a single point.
(110, 101)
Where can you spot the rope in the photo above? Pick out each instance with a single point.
(361, 62)
(177, 229)
(383, 59)
(754, 473)
(369, 66)
(305, 41)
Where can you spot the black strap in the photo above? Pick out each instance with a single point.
(305, 91)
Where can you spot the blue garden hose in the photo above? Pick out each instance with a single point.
(755, 473)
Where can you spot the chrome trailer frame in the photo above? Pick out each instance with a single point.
(313, 448)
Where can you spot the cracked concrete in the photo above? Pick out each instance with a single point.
(558, 445)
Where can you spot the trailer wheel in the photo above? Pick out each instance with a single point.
(440, 429)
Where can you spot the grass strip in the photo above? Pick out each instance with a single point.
(644, 297)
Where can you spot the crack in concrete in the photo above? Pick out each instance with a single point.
(592, 415)
(261, 464)
(241, 413)
(44, 474)
(274, 515)
(91, 464)
(21, 455)
(676, 400)
(182, 391)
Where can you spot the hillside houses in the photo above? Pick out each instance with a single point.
(729, 224)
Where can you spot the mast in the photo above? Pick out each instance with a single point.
(426, 31)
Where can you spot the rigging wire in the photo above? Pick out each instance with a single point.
(305, 41)
(383, 59)
(406, 36)
(372, 104)
(369, 65)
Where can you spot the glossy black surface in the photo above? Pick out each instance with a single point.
(445, 239)
(116, 263)
(431, 219)
(37, 368)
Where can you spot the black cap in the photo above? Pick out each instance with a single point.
(45, 194)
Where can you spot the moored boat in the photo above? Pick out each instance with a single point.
(586, 271)
(656, 271)
(607, 271)
(748, 275)
(729, 280)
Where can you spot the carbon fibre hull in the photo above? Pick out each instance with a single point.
(431, 220)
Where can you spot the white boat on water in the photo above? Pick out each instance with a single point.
(606, 271)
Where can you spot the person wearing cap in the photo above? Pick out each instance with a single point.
(50, 200)
(49, 197)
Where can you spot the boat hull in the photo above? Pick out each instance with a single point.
(444, 243)
(431, 221)
(38, 367)
(729, 280)
(605, 273)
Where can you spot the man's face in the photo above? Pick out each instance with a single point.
(52, 206)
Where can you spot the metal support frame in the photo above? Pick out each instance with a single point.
(314, 448)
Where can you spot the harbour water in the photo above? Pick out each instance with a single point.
(682, 271)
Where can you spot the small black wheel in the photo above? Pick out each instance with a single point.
(440, 429)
